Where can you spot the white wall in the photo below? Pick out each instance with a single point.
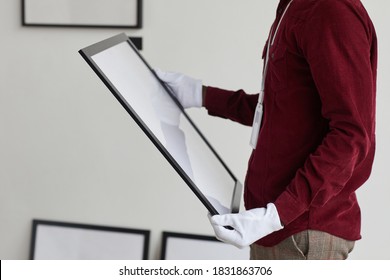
(69, 152)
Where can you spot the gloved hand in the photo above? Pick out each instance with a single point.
(248, 226)
(186, 89)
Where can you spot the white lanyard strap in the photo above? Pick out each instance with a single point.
(259, 108)
(270, 43)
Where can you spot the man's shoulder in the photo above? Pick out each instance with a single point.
(308, 8)
(327, 10)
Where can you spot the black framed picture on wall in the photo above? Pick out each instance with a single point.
(184, 246)
(82, 13)
(55, 240)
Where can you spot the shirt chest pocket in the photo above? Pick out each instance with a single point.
(277, 68)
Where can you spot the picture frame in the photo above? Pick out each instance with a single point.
(82, 13)
(54, 240)
(153, 106)
(184, 246)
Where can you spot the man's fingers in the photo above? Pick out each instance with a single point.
(223, 220)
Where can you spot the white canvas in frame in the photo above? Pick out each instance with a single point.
(64, 241)
(113, 13)
(178, 246)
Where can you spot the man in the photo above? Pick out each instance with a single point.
(316, 143)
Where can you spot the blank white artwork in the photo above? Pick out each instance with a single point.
(81, 12)
(141, 91)
(71, 243)
(185, 248)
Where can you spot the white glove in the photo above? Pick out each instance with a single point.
(187, 90)
(248, 226)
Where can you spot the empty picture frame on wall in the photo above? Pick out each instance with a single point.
(52, 240)
(181, 246)
(82, 13)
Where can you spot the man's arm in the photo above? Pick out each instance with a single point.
(237, 106)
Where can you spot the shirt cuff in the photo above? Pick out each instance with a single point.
(215, 101)
(289, 208)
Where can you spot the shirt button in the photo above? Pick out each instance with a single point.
(272, 55)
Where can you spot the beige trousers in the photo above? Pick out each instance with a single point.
(305, 245)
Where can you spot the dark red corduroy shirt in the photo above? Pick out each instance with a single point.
(317, 141)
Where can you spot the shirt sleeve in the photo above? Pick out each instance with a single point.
(336, 42)
(237, 106)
